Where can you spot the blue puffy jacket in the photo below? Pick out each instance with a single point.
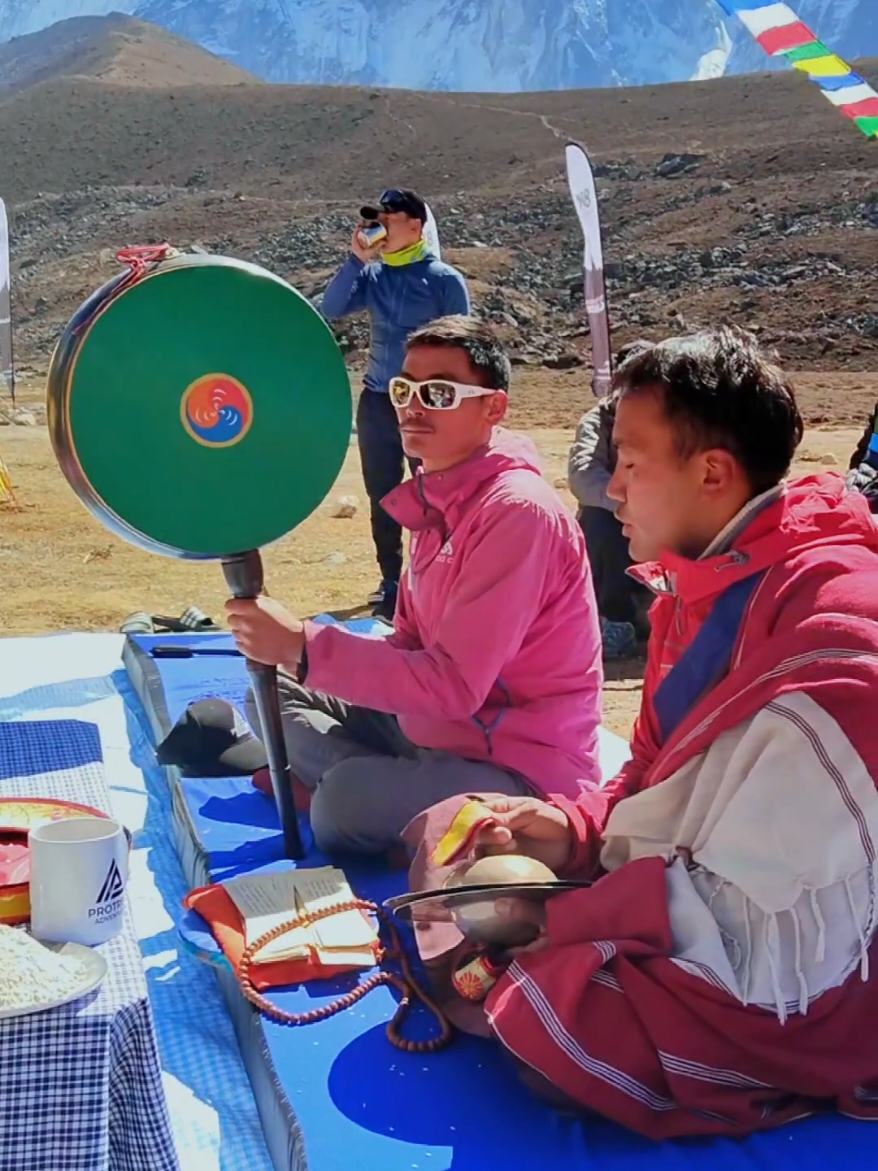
(398, 299)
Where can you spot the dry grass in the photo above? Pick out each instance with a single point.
(64, 571)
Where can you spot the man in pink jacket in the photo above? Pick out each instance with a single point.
(491, 679)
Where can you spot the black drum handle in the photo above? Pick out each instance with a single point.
(245, 579)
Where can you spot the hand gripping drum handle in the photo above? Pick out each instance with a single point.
(245, 579)
(214, 412)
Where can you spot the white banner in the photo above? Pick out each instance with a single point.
(6, 372)
(431, 234)
(585, 200)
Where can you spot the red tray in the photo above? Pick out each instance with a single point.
(18, 816)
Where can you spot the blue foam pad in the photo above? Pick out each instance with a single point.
(360, 1103)
(237, 825)
(185, 681)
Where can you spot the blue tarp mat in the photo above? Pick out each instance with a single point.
(351, 1100)
(31, 748)
(200, 1059)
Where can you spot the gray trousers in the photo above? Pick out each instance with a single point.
(367, 778)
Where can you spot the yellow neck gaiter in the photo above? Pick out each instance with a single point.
(410, 255)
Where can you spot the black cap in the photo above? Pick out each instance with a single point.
(397, 199)
(212, 739)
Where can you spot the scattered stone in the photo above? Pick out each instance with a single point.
(726, 262)
(24, 419)
(677, 164)
(568, 361)
(335, 559)
(345, 507)
(829, 460)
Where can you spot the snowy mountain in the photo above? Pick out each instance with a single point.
(475, 45)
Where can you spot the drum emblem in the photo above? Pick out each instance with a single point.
(216, 410)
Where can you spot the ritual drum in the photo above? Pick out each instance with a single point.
(198, 405)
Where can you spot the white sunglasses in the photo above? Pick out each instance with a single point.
(437, 394)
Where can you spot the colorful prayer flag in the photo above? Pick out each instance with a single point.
(780, 32)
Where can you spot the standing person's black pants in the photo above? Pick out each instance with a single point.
(383, 464)
(608, 557)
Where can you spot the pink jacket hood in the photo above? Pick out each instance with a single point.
(496, 651)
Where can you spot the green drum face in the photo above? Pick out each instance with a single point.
(201, 411)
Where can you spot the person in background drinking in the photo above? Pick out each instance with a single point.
(402, 286)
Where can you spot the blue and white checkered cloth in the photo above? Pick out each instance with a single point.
(80, 1085)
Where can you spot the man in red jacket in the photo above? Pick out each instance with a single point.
(721, 975)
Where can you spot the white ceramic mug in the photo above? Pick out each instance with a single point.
(78, 872)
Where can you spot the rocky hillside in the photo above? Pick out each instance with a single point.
(747, 199)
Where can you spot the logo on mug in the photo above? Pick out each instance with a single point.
(108, 904)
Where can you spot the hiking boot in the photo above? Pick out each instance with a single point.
(377, 596)
(383, 600)
(619, 639)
